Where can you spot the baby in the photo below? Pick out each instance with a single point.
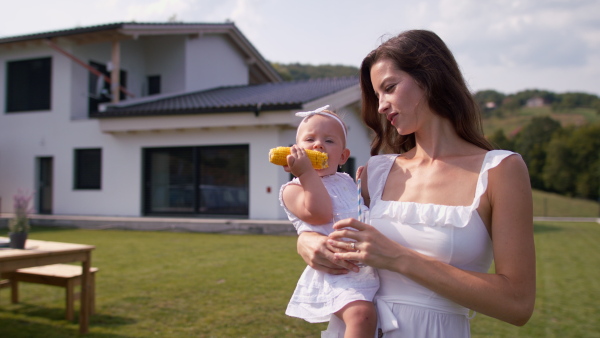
(314, 201)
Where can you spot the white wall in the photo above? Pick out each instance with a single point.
(212, 61)
(165, 56)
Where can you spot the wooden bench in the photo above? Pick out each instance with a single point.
(63, 275)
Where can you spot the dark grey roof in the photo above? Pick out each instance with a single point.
(250, 98)
(101, 28)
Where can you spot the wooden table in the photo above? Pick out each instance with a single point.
(38, 253)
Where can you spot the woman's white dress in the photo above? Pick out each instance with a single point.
(452, 234)
(318, 295)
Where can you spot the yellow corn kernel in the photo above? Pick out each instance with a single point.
(279, 156)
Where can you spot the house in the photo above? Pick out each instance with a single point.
(535, 101)
(153, 119)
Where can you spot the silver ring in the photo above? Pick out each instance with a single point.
(352, 245)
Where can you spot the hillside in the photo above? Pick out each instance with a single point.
(511, 124)
(297, 71)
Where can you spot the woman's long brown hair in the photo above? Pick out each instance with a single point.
(425, 57)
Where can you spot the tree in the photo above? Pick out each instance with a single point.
(585, 143)
(559, 170)
(575, 100)
(297, 71)
(573, 162)
(500, 141)
(531, 143)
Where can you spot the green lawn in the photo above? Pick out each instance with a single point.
(553, 205)
(170, 284)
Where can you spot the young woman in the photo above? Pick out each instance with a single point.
(443, 204)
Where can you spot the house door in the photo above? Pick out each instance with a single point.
(45, 185)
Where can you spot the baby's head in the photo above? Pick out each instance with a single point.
(324, 131)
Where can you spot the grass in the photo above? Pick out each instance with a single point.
(568, 285)
(553, 205)
(169, 284)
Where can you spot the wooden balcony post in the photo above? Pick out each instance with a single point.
(116, 71)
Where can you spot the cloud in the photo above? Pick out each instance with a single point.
(157, 10)
(540, 34)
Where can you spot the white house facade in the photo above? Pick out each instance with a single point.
(186, 133)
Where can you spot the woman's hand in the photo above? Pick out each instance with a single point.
(319, 255)
(368, 246)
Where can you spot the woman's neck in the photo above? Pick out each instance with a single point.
(440, 140)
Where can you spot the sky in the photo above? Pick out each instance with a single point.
(504, 45)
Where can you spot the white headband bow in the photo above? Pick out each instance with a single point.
(321, 111)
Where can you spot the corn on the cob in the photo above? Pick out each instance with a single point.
(279, 156)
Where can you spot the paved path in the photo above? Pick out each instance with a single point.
(566, 219)
(208, 225)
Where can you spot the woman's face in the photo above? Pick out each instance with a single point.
(401, 99)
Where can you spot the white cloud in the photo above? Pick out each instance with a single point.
(500, 44)
(157, 10)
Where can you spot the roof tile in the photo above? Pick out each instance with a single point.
(261, 97)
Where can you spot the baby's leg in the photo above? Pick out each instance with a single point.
(360, 318)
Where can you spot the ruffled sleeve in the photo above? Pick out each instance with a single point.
(492, 159)
(378, 168)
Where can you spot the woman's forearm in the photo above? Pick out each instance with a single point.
(506, 297)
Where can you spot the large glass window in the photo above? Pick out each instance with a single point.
(88, 169)
(211, 180)
(28, 85)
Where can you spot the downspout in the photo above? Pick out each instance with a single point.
(257, 109)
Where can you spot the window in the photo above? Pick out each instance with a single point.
(28, 85)
(153, 84)
(88, 169)
(211, 180)
(99, 90)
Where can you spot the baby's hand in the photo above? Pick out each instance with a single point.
(298, 161)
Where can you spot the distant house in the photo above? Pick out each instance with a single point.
(490, 105)
(144, 119)
(535, 101)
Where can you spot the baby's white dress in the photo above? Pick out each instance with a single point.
(318, 295)
(452, 234)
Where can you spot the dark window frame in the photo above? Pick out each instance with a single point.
(87, 169)
(154, 84)
(185, 191)
(29, 85)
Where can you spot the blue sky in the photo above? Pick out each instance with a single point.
(500, 44)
